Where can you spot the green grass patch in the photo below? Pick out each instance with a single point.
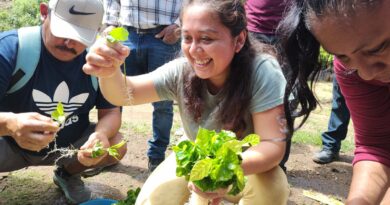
(310, 133)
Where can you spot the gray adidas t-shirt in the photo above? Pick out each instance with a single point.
(268, 90)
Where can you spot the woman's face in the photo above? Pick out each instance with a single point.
(208, 44)
(361, 43)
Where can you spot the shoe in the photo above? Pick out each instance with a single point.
(95, 171)
(325, 156)
(91, 172)
(72, 186)
(153, 163)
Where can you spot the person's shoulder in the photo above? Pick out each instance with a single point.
(8, 38)
(9, 34)
(264, 62)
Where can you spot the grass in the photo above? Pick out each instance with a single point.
(310, 133)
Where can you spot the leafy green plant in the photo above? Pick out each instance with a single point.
(213, 160)
(58, 114)
(116, 35)
(96, 151)
(131, 197)
(21, 13)
(326, 59)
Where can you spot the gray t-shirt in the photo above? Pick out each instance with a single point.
(268, 90)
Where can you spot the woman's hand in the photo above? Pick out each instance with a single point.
(104, 58)
(215, 197)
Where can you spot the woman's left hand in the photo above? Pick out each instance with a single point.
(215, 197)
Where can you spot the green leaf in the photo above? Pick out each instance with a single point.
(97, 150)
(201, 169)
(113, 153)
(58, 114)
(118, 34)
(131, 197)
(118, 145)
(252, 139)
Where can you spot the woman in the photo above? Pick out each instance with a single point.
(222, 83)
(357, 32)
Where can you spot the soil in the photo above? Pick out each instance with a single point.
(33, 185)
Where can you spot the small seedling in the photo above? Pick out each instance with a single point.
(213, 160)
(58, 114)
(117, 35)
(96, 151)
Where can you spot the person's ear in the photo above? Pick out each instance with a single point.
(44, 11)
(240, 40)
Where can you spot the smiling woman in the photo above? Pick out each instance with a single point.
(225, 82)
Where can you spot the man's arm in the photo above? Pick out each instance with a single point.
(109, 121)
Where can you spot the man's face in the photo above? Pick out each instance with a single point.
(61, 48)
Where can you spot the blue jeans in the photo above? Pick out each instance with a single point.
(338, 121)
(146, 54)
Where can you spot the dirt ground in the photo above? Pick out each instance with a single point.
(34, 185)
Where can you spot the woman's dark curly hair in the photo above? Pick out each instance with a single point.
(236, 92)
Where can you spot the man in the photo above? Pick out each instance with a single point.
(153, 41)
(337, 128)
(27, 134)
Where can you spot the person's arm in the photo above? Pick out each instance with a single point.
(104, 61)
(109, 122)
(270, 126)
(31, 131)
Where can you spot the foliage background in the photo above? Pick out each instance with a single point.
(20, 13)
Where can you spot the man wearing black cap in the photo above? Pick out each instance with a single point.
(27, 133)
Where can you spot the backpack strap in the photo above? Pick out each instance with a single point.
(94, 79)
(29, 52)
(95, 83)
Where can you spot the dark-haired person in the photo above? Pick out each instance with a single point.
(27, 132)
(222, 83)
(357, 33)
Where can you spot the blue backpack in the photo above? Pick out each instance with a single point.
(29, 52)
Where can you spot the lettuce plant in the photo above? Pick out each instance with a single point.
(213, 160)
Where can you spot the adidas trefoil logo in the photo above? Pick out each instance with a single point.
(61, 94)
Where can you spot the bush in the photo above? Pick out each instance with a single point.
(326, 59)
(21, 13)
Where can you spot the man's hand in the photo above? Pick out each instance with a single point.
(104, 58)
(169, 34)
(31, 131)
(84, 155)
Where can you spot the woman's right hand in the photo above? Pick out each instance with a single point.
(104, 59)
(31, 131)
